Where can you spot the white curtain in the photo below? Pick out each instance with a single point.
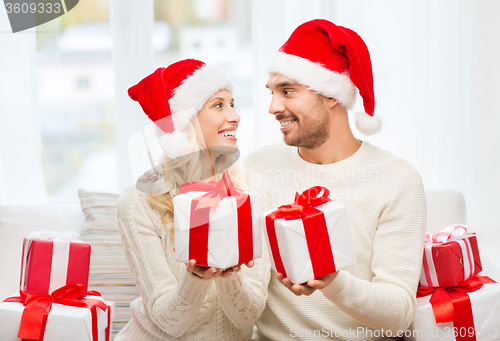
(436, 77)
(132, 26)
(21, 174)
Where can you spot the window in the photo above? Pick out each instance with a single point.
(75, 100)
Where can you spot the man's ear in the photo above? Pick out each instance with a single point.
(331, 102)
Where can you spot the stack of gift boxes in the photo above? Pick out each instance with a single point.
(454, 301)
(53, 302)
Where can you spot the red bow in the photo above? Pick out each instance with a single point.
(200, 209)
(302, 204)
(318, 241)
(37, 309)
(216, 191)
(452, 304)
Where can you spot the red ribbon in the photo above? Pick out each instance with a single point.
(318, 241)
(452, 304)
(37, 309)
(200, 212)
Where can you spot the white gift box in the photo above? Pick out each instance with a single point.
(485, 309)
(293, 247)
(63, 323)
(223, 248)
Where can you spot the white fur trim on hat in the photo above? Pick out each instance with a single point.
(194, 92)
(181, 118)
(318, 78)
(175, 144)
(367, 124)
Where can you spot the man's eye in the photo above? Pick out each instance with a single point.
(287, 92)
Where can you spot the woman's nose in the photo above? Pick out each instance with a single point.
(233, 116)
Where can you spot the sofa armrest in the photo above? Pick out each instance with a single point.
(444, 207)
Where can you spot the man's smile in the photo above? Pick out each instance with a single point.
(287, 123)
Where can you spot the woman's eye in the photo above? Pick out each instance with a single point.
(218, 105)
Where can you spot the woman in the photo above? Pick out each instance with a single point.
(192, 105)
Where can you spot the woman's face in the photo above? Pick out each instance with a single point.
(218, 122)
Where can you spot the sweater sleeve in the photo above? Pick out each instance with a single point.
(388, 302)
(171, 304)
(243, 295)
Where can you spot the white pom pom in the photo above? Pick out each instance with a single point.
(175, 144)
(367, 124)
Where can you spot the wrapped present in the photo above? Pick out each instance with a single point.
(310, 238)
(467, 312)
(63, 315)
(216, 224)
(52, 260)
(450, 258)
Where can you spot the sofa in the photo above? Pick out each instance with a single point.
(94, 218)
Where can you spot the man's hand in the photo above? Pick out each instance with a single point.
(309, 287)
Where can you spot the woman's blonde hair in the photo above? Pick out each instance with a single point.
(187, 168)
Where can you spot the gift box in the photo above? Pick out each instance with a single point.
(470, 315)
(216, 224)
(52, 260)
(310, 238)
(450, 258)
(88, 319)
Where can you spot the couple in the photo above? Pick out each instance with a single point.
(314, 79)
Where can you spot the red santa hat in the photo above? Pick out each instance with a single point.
(173, 96)
(333, 61)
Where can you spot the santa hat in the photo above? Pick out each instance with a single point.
(173, 96)
(333, 61)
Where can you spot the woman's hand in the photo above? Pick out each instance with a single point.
(250, 264)
(209, 272)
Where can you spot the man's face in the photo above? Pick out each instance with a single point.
(302, 113)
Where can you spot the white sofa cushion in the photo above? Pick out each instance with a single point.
(16, 222)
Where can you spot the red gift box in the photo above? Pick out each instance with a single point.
(35, 320)
(309, 238)
(467, 312)
(450, 258)
(52, 260)
(217, 224)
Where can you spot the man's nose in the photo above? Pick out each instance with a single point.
(276, 106)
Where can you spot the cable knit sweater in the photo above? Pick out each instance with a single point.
(385, 205)
(177, 305)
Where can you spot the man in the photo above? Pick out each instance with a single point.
(313, 80)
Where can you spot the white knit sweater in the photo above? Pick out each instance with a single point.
(177, 305)
(386, 211)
